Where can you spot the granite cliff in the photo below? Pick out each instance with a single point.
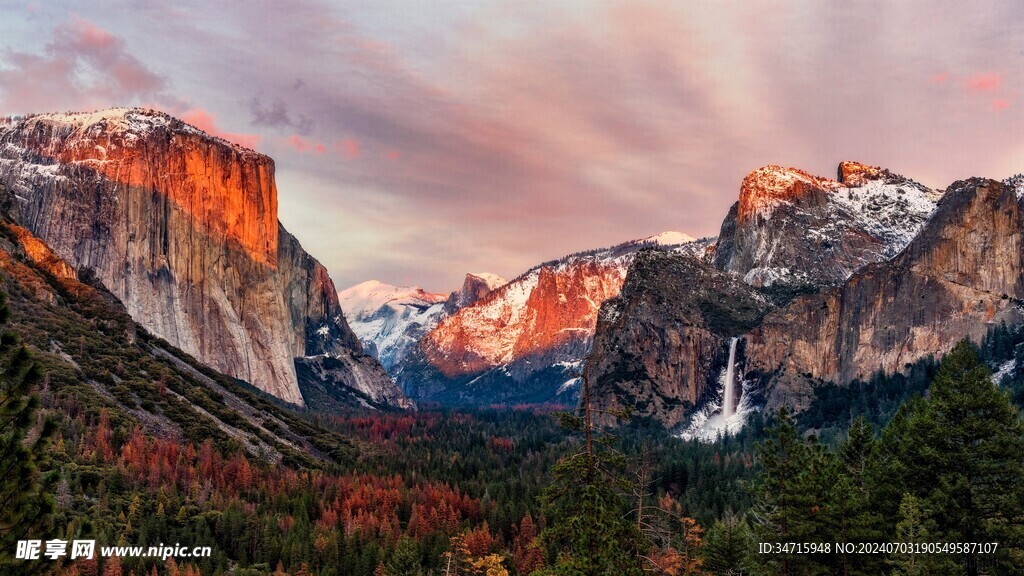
(182, 228)
(838, 294)
(661, 343)
(962, 272)
(792, 228)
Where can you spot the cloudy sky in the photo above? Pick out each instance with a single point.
(416, 141)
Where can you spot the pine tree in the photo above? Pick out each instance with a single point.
(404, 560)
(961, 452)
(910, 529)
(588, 531)
(850, 513)
(790, 496)
(26, 501)
(728, 547)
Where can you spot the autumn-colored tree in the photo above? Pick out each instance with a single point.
(527, 556)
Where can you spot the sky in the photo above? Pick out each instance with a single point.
(416, 141)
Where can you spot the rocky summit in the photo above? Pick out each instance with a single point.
(526, 340)
(792, 228)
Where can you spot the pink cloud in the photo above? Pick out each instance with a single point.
(939, 78)
(984, 82)
(82, 66)
(90, 35)
(205, 121)
(305, 145)
(1000, 104)
(349, 147)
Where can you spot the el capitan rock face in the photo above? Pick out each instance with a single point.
(792, 228)
(963, 271)
(182, 228)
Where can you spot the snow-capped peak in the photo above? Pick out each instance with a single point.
(670, 238)
(131, 124)
(365, 299)
(491, 280)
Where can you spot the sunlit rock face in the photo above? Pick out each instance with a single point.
(905, 275)
(526, 340)
(792, 228)
(182, 228)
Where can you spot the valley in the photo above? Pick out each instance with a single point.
(205, 381)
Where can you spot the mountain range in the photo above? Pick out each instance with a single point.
(811, 280)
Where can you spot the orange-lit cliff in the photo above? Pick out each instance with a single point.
(182, 228)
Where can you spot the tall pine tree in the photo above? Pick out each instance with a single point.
(589, 532)
(961, 452)
(790, 498)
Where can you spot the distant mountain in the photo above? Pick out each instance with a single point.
(182, 228)
(525, 341)
(389, 320)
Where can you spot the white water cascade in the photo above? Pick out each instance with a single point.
(725, 416)
(729, 402)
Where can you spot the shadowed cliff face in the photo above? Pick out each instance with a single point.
(661, 343)
(961, 272)
(182, 228)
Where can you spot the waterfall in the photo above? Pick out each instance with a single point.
(729, 402)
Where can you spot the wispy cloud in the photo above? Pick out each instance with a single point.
(207, 123)
(415, 145)
(82, 66)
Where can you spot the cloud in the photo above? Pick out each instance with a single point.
(205, 121)
(348, 147)
(525, 131)
(984, 82)
(305, 145)
(276, 115)
(83, 66)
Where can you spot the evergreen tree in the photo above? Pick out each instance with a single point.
(851, 515)
(588, 531)
(26, 503)
(404, 560)
(790, 496)
(729, 547)
(961, 452)
(910, 529)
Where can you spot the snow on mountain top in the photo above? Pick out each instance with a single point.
(127, 121)
(363, 300)
(492, 280)
(670, 238)
(1017, 183)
